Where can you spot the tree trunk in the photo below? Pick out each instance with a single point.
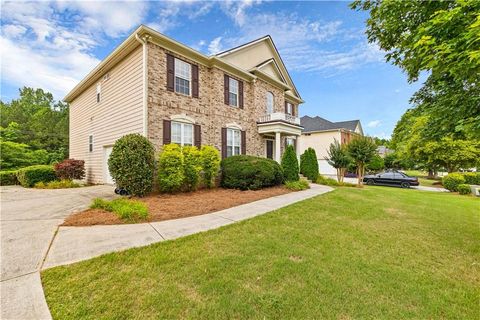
(342, 173)
(360, 175)
(339, 173)
(431, 174)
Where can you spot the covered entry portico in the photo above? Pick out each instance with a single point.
(278, 127)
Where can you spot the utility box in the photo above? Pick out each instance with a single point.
(475, 190)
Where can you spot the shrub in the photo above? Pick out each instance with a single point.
(127, 209)
(132, 163)
(376, 164)
(210, 163)
(309, 164)
(297, 185)
(327, 181)
(70, 169)
(171, 174)
(290, 164)
(191, 167)
(29, 176)
(464, 189)
(57, 184)
(472, 178)
(8, 178)
(451, 181)
(250, 173)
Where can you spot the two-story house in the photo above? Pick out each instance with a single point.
(242, 101)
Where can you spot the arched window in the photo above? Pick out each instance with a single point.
(269, 102)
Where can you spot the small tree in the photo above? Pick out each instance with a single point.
(171, 174)
(362, 150)
(290, 164)
(191, 167)
(309, 164)
(210, 163)
(70, 169)
(338, 158)
(132, 163)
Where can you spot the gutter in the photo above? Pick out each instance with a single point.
(144, 41)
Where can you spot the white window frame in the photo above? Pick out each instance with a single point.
(98, 96)
(270, 104)
(290, 142)
(289, 108)
(230, 91)
(183, 141)
(178, 62)
(90, 143)
(236, 142)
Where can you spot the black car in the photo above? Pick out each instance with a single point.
(391, 178)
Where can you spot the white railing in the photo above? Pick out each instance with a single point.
(279, 116)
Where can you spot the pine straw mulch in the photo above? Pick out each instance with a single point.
(173, 206)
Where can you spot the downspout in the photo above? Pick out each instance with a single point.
(144, 41)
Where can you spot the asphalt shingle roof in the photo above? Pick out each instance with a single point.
(320, 124)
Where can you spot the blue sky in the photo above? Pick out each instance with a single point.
(340, 75)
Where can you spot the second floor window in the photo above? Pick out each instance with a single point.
(183, 75)
(233, 142)
(269, 102)
(233, 92)
(90, 143)
(289, 108)
(182, 133)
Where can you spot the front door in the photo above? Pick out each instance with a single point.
(107, 177)
(270, 149)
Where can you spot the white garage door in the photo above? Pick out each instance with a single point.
(107, 178)
(325, 168)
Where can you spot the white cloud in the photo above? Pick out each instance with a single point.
(215, 46)
(236, 10)
(13, 31)
(374, 123)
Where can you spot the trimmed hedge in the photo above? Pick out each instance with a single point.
(210, 162)
(290, 164)
(29, 176)
(132, 163)
(70, 169)
(472, 178)
(451, 181)
(250, 173)
(171, 173)
(8, 178)
(464, 189)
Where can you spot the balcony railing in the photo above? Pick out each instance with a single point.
(278, 116)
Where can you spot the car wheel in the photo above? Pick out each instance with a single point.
(370, 182)
(117, 191)
(405, 185)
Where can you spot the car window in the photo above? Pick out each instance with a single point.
(388, 175)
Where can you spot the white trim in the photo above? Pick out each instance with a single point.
(144, 42)
(182, 132)
(182, 118)
(233, 125)
(241, 47)
(175, 59)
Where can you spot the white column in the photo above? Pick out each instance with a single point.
(277, 146)
(297, 146)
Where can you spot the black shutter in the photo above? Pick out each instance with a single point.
(198, 135)
(167, 132)
(224, 143)
(244, 142)
(170, 72)
(194, 81)
(226, 89)
(240, 94)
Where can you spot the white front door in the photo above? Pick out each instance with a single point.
(107, 178)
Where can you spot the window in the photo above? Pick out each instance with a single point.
(233, 92)
(290, 141)
(289, 108)
(90, 143)
(233, 142)
(182, 133)
(99, 90)
(183, 74)
(269, 102)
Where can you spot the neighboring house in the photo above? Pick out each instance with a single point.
(319, 133)
(383, 151)
(242, 101)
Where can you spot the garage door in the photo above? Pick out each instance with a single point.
(107, 178)
(325, 168)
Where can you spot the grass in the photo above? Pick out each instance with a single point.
(353, 253)
(422, 178)
(57, 184)
(129, 210)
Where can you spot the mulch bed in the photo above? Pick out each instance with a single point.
(173, 206)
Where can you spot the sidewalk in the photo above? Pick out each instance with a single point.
(73, 244)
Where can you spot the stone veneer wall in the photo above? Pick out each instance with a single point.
(209, 110)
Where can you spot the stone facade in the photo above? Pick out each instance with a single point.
(209, 109)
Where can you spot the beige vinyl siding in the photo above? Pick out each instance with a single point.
(119, 112)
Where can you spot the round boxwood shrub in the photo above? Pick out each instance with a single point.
(451, 181)
(472, 178)
(290, 164)
(464, 189)
(132, 163)
(250, 173)
(29, 176)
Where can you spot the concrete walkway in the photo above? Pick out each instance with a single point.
(29, 220)
(73, 244)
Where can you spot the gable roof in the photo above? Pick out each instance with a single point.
(313, 124)
(274, 55)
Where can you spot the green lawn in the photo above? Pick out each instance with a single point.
(422, 178)
(353, 253)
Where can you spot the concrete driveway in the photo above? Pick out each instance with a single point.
(29, 219)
